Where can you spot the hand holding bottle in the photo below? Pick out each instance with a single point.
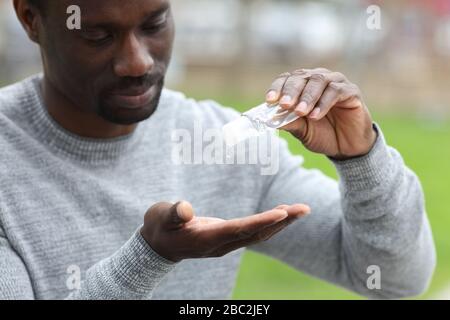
(332, 117)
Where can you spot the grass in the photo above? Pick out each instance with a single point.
(425, 147)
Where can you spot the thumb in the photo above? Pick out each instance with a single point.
(180, 213)
(297, 128)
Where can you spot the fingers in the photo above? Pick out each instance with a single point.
(242, 228)
(296, 210)
(274, 92)
(329, 98)
(294, 213)
(301, 90)
(291, 91)
(333, 94)
(314, 90)
(287, 88)
(263, 235)
(312, 93)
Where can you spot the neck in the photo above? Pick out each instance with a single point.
(78, 121)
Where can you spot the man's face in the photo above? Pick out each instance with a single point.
(115, 65)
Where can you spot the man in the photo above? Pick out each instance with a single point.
(85, 154)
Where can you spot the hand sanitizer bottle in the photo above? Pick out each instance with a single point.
(255, 122)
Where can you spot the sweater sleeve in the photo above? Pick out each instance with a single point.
(14, 280)
(130, 273)
(373, 219)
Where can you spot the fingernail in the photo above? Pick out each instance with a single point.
(179, 208)
(286, 100)
(271, 96)
(315, 113)
(302, 107)
(184, 210)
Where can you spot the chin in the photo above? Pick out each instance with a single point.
(126, 116)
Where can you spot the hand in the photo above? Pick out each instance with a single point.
(333, 117)
(175, 233)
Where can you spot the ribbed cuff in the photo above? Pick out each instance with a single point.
(369, 171)
(137, 267)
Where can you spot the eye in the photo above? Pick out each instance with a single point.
(156, 27)
(97, 36)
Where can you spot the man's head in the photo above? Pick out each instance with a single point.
(115, 65)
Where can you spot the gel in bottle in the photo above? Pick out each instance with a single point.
(255, 122)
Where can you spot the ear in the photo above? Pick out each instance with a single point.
(29, 17)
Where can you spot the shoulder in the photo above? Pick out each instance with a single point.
(15, 107)
(14, 100)
(188, 110)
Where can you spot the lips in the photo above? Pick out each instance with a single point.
(133, 98)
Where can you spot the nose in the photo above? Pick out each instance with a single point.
(133, 59)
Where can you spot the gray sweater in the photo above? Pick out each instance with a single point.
(71, 208)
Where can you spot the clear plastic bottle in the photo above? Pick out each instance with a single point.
(255, 122)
